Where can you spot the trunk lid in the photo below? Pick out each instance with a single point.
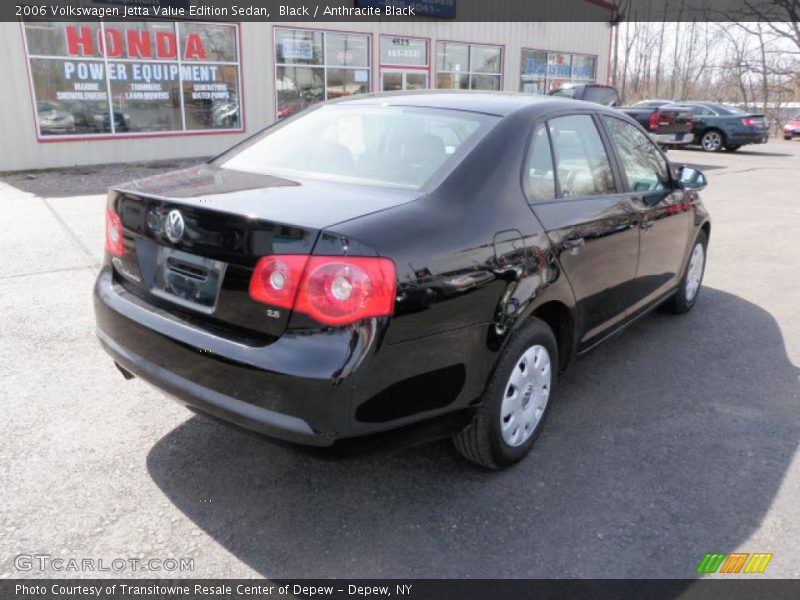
(193, 237)
(757, 122)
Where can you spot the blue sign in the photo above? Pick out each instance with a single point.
(442, 9)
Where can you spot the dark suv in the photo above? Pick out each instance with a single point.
(389, 261)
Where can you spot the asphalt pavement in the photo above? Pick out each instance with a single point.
(676, 438)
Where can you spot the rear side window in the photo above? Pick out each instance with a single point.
(582, 165)
(541, 179)
(643, 165)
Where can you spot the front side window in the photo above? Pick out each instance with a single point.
(541, 180)
(387, 146)
(644, 167)
(468, 66)
(313, 66)
(582, 165)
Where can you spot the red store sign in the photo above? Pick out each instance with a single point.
(132, 43)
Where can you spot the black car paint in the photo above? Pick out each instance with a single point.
(474, 260)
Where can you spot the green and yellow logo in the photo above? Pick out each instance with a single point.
(737, 562)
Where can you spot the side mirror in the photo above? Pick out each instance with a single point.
(691, 179)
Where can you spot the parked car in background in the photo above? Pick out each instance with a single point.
(439, 260)
(719, 126)
(93, 117)
(590, 92)
(669, 125)
(792, 128)
(53, 119)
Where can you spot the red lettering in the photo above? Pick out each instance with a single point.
(79, 44)
(139, 44)
(194, 47)
(166, 46)
(113, 43)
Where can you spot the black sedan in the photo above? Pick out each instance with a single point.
(718, 126)
(411, 262)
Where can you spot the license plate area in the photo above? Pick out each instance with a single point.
(189, 280)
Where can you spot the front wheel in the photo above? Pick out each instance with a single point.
(788, 138)
(516, 401)
(686, 296)
(712, 141)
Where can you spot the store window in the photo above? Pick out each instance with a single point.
(312, 66)
(462, 66)
(405, 63)
(544, 71)
(127, 78)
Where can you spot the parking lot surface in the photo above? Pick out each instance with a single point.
(676, 438)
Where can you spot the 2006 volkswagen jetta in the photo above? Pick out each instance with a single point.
(383, 261)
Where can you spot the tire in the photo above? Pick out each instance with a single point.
(732, 148)
(685, 298)
(712, 140)
(788, 138)
(491, 440)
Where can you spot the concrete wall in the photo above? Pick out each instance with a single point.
(20, 150)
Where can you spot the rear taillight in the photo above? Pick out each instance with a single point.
(330, 289)
(276, 279)
(747, 122)
(654, 120)
(113, 233)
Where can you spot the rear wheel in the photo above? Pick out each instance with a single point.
(516, 401)
(712, 141)
(686, 296)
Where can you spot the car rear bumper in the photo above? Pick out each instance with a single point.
(748, 137)
(310, 388)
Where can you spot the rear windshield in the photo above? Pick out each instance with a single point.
(566, 92)
(388, 146)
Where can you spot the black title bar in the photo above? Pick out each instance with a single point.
(610, 11)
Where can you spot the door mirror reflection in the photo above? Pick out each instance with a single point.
(690, 178)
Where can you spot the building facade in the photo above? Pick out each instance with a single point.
(185, 89)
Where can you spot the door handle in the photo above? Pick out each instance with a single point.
(572, 243)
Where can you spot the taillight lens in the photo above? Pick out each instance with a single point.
(747, 122)
(276, 279)
(654, 120)
(332, 290)
(113, 233)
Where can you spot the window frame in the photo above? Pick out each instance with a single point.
(105, 60)
(324, 66)
(469, 72)
(610, 151)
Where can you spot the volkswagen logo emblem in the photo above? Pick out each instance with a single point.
(174, 226)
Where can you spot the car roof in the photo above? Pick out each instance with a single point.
(492, 103)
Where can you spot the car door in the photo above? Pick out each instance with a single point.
(663, 211)
(700, 116)
(572, 188)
